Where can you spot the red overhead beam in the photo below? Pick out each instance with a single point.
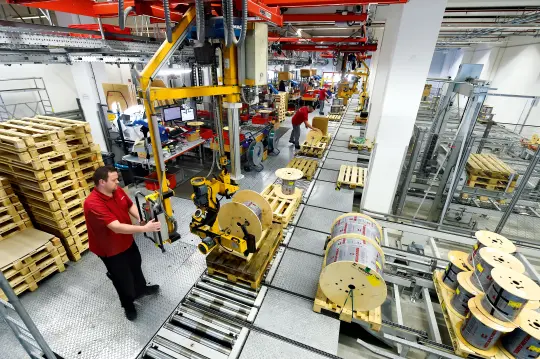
(260, 10)
(319, 48)
(303, 3)
(318, 39)
(323, 17)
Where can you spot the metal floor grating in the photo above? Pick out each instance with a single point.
(261, 346)
(324, 195)
(308, 241)
(328, 175)
(303, 324)
(350, 157)
(298, 272)
(333, 164)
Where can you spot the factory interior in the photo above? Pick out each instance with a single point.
(262, 145)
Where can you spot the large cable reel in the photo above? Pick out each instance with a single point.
(255, 155)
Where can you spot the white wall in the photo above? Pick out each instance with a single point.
(437, 63)
(57, 78)
(511, 69)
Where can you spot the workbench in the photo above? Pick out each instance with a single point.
(167, 156)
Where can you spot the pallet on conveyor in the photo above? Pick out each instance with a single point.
(237, 269)
(323, 305)
(453, 322)
(312, 150)
(353, 176)
(360, 146)
(283, 207)
(307, 166)
(334, 117)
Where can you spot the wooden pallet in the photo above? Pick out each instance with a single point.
(92, 152)
(359, 119)
(34, 163)
(490, 166)
(283, 208)
(326, 138)
(324, 306)
(334, 117)
(308, 167)
(237, 269)
(60, 170)
(453, 321)
(24, 273)
(68, 189)
(312, 150)
(367, 144)
(64, 124)
(352, 176)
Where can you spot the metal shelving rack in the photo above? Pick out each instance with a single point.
(41, 106)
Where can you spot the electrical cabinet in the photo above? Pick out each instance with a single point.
(257, 55)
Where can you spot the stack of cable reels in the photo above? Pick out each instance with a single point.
(486, 260)
(492, 240)
(523, 342)
(352, 274)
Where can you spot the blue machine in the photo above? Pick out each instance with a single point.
(214, 28)
(273, 89)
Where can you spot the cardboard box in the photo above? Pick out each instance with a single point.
(321, 123)
(427, 90)
(193, 136)
(285, 76)
(308, 72)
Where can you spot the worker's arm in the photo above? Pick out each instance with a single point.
(122, 228)
(308, 125)
(134, 212)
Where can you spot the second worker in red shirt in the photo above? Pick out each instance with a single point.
(300, 117)
(108, 211)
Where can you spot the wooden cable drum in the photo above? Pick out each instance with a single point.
(352, 276)
(491, 240)
(480, 332)
(488, 258)
(195, 123)
(248, 208)
(314, 136)
(458, 263)
(464, 292)
(509, 293)
(524, 342)
(357, 223)
(288, 177)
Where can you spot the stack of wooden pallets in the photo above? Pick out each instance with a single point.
(51, 161)
(488, 172)
(29, 256)
(281, 102)
(13, 216)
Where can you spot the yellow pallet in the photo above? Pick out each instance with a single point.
(308, 167)
(352, 176)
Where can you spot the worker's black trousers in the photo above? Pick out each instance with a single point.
(124, 269)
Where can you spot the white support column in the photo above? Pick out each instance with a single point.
(413, 29)
(88, 78)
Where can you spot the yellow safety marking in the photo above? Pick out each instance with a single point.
(480, 268)
(457, 291)
(373, 280)
(514, 305)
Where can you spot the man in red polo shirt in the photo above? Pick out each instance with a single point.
(300, 117)
(107, 211)
(322, 99)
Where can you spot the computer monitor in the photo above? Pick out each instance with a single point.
(171, 114)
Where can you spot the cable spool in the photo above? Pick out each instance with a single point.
(289, 176)
(488, 258)
(272, 141)
(248, 208)
(357, 223)
(458, 263)
(480, 332)
(491, 240)
(352, 276)
(255, 155)
(464, 292)
(509, 293)
(314, 136)
(524, 342)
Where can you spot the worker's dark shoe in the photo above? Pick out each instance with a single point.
(151, 289)
(297, 147)
(131, 312)
(291, 141)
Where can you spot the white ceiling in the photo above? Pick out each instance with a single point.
(491, 3)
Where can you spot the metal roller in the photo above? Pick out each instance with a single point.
(153, 353)
(197, 338)
(352, 276)
(458, 263)
(229, 286)
(480, 331)
(226, 293)
(491, 240)
(177, 349)
(509, 293)
(204, 317)
(211, 332)
(210, 303)
(220, 300)
(288, 177)
(488, 258)
(524, 342)
(464, 292)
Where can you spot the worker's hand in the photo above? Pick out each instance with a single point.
(153, 226)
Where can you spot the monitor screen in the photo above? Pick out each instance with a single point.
(172, 113)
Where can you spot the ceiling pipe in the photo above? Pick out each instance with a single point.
(319, 39)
